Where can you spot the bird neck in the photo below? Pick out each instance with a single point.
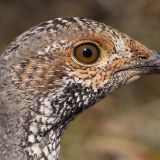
(28, 126)
(40, 122)
(48, 117)
(43, 129)
(47, 147)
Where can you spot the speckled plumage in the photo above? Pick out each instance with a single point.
(43, 87)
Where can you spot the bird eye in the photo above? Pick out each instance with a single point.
(87, 53)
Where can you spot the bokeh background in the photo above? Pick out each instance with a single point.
(125, 125)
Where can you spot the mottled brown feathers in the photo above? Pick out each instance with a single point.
(44, 85)
(38, 74)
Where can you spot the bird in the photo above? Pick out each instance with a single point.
(53, 72)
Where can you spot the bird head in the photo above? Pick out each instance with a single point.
(70, 63)
(67, 64)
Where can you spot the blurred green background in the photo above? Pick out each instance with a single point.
(125, 125)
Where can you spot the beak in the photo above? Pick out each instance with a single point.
(152, 65)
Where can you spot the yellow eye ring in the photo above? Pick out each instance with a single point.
(86, 53)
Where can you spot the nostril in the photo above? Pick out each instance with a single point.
(139, 57)
(143, 57)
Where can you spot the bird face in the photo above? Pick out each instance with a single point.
(78, 62)
(94, 59)
(87, 61)
(100, 57)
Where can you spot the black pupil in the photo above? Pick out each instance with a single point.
(87, 53)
